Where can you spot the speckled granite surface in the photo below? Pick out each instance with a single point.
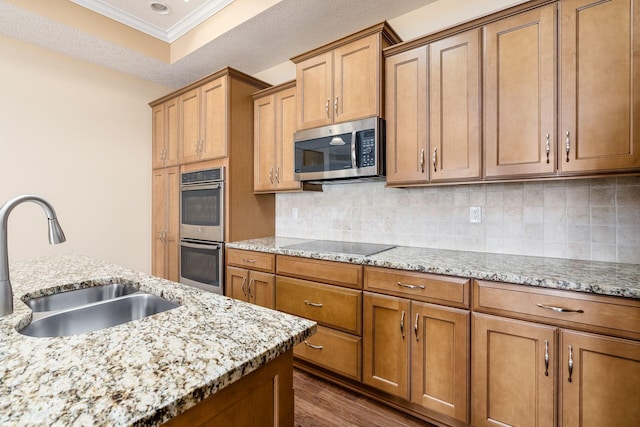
(140, 373)
(585, 276)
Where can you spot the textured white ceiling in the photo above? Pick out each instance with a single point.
(289, 28)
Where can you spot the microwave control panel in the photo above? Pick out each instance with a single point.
(367, 148)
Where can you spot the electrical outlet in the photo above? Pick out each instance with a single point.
(475, 214)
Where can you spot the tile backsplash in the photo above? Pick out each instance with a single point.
(590, 219)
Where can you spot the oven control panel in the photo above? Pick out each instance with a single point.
(203, 176)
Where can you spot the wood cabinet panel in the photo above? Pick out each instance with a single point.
(616, 316)
(190, 113)
(602, 387)
(285, 129)
(214, 119)
(386, 339)
(511, 385)
(255, 287)
(333, 350)
(236, 283)
(454, 107)
(420, 286)
(406, 115)
(440, 359)
(260, 261)
(264, 135)
(356, 81)
(336, 273)
(599, 91)
(329, 305)
(519, 94)
(165, 223)
(314, 78)
(165, 134)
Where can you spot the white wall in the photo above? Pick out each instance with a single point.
(80, 136)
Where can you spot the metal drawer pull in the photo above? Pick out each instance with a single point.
(316, 347)
(570, 362)
(244, 280)
(404, 285)
(568, 146)
(548, 148)
(335, 106)
(250, 261)
(313, 304)
(326, 108)
(249, 288)
(271, 175)
(415, 326)
(435, 158)
(402, 324)
(422, 160)
(546, 358)
(560, 309)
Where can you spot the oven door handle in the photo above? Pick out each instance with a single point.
(199, 244)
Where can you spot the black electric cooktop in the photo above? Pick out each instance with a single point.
(350, 248)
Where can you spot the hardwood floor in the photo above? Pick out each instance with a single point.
(319, 403)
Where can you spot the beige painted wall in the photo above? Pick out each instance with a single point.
(80, 136)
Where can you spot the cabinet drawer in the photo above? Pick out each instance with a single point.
(335, 273)
(328, 305)
(253, 260)
(333, 350)
(603, 314)
(418, 286)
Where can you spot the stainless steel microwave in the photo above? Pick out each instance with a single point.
(346, 151)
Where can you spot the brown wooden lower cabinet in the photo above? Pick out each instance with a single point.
(262, 398)
(251, 286)
(419, 352)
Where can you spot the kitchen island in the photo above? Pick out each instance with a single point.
(144, 372)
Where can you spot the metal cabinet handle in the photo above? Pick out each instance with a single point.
(335, 106)
(415, 326)
(249, 288)
(277, 173)
(404, 285)
(547, 147)
(250, 261)
(435, 158)
(546, 358)
(422, 160)
(567, 146)
(316, 347)
(244, 280)
(402, 324)
(570, 362)
(560, 309)
(313, 304)
(271, 175)
(326, 108)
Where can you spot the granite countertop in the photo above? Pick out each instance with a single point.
(603, 278)
(139, 373)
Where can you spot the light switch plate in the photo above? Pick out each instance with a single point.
(475, 215)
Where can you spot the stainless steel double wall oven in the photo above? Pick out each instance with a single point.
(202, 229)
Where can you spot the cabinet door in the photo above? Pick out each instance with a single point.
(440, 359)
(264, 144)
(356, 80)
(513, 367)
(261, 289)
(406, 115)
(213, 131)
(454, 89)
(165, 223)
(386, 339)
(603, 386)
(285, 103)
(236, 283)
(189, 126)
(171, 133)
(519, 94)
(314, 91)
(158, 136)
(599, 85)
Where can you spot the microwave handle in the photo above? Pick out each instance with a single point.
(354, 164)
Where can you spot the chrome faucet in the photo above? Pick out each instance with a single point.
(55, 236)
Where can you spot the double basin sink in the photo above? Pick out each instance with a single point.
(90, 309)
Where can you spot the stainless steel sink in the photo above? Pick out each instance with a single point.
(98, 315)
(78, 297)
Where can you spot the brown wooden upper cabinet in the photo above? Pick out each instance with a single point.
(599, 86)
(433, 111)
(341, 81)
(165, 223)
(274, 115)
(165, 134)
(519, 94)
(203, 122)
